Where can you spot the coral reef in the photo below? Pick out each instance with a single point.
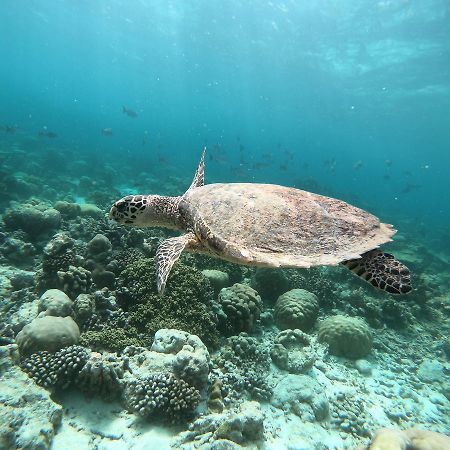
(348, 412)
(191, 357)
(113, 339)
(83, 308)
(240, 308)
(296, 308)
(47, 333)
(99, 250)
(54, 302)
(58, 255)
(346, 336)
(29, 418)
(68, 210)
(293, 351)
(217, 278)
(303, 396)
(242, 364)
(34, 219)
(102, 274)
(162, 396)
(235, 272)
(186, 304)
(410, 439)
(215, 400)
(244, 426)
(50, 370)
(74, 281)
(103, 375)
(270, 283)
(18, 252)
(324, 282)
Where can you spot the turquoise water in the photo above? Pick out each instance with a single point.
(357, 84)
(350, 99)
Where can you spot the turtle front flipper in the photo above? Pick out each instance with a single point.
(168, 253)
(382, 271)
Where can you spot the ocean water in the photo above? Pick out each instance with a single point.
(101, 99)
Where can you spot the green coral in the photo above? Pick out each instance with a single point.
(113, 339)
(185, 304)
(270, 283)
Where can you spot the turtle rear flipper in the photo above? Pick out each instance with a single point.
(382, 271)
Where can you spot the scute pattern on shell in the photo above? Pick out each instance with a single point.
(277, 226)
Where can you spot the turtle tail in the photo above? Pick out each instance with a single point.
(382, 271)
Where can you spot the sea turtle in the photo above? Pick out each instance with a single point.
(268, 226)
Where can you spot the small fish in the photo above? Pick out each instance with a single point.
(162, 159)
(145, 138)
(218, 155)
(410, 187)
(283, 167)
(289, 155)
(46, 133)
(330, 164)
(387, 177)
(129, 112)
(358, 165)
(107, 131)
(260, 165)
(388, 162)
(9, 128)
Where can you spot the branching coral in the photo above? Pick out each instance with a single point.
(55, 369)
(102, 375)
(162, 395)
(243, 362)
(75, 281)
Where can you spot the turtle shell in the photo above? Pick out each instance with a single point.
(277, 226)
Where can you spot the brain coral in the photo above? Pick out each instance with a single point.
(242, 306)
(47, 333)
(296, 308)
(346, 336)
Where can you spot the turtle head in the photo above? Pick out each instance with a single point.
(145, 211)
